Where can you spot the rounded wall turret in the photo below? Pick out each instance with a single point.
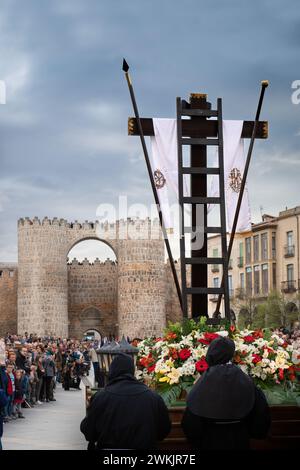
(141, 299)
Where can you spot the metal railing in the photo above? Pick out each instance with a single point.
(289, 250)
(288, 287)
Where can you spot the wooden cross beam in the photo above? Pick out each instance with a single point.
(200, 127)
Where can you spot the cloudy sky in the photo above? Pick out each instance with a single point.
(64, 147)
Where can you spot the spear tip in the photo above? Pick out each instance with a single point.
(265, 83)
(125, 66)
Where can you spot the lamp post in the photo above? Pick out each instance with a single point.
(107, 352)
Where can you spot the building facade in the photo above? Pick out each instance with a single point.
(262, 260)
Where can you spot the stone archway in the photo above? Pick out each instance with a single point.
(43, 281)
(90, 319)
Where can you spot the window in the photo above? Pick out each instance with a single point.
(216, 282)
(230, 286)
(274, 245)
(265, 278)
(241, 255)
(215, 267)
(248, 250)
(289, 238)
(290, 273)
(274, 275)
(264, 246)
(256, 279)
(249, 281)
(242, 281)
(290, 248)
(256, 248)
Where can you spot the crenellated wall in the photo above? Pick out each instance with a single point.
(8, 297)
(43, 298)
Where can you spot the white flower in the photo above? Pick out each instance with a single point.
(223, 333)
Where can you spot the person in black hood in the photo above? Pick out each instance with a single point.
(126, 414)
(224, 408)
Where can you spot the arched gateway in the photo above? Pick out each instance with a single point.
(43, 274)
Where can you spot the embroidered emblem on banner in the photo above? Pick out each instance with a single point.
(159, 179)
(235, 180)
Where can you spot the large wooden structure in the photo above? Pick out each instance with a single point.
(200, 126)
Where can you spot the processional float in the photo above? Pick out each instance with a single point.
(197, 130)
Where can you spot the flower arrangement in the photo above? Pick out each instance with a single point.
(172, 363)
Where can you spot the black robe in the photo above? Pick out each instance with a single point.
(126, 414)
(224, 408)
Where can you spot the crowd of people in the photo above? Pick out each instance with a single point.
(32, 366)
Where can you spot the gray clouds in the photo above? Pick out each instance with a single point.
(63, 132)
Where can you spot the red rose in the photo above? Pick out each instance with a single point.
(256, 358)
(249, 339)
(232, 328)
(201, 365)
(208, 338)
(151, 368)
(281, 374)
(203, 341)
(184, 354)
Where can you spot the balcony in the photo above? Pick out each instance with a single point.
(288, 287)
(240, 262)
(215, 268)
(289, 251)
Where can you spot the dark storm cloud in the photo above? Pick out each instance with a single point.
(63, 132)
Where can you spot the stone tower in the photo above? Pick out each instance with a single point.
(43, 247)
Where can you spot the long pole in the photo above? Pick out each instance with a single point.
(148, 164)
(264, 85)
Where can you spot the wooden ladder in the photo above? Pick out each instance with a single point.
(183, 109)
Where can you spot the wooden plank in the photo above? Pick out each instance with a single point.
(191, 128)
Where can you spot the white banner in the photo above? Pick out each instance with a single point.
(234, 164)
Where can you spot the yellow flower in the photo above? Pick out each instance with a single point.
(164, 379)
(169, 363)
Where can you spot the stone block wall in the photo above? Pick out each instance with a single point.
(92, 297)
(8, 298)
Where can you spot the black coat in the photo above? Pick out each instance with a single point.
(126, 414)
(212, 434)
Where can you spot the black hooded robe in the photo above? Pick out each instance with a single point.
(126, 414)
(224, 408)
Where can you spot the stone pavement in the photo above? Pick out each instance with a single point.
(49, 426)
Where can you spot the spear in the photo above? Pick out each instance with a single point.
(148, 164)
(264, 85)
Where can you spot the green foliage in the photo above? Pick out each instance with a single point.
(171, 394)
(258, 321)
(282, 394)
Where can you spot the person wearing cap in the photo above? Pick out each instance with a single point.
(126, 414)
(224, 408)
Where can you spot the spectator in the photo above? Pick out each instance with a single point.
(10, 392)
(3, 403)
(49, 367)
(126, 414)
(224, 408)
(20, 389)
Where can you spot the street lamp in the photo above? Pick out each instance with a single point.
(107, 352)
